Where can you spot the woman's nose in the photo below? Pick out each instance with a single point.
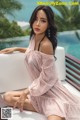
(38, 22)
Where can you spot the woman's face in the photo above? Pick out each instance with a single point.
(41, 23)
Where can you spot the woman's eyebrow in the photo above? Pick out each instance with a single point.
(43, 18)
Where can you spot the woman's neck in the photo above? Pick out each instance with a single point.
(39, 37)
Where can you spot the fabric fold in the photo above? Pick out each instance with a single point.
(46, 80)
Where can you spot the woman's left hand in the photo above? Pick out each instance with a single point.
(20, 102)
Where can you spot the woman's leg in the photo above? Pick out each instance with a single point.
(55, 117)
(11, 97)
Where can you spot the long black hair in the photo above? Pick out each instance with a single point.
(52, 30)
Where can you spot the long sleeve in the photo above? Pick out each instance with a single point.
(46, 79)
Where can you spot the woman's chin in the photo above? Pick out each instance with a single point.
(37, 33)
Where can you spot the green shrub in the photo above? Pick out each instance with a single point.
(27, 31)
(9, 29)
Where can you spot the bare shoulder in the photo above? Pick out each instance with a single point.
(46, 47)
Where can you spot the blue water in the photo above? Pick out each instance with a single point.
(70, 42)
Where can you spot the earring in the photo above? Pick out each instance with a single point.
(48, 32)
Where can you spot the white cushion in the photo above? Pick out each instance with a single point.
(14, 73)
(26, 115)
(60, 62)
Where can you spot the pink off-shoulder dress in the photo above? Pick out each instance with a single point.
(47, 94)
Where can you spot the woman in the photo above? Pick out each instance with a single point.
(46, 94)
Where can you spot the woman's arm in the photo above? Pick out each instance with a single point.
(21, 49)
(10, 50)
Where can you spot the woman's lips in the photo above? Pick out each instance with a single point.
(37, 29)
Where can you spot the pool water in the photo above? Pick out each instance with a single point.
(68, 40)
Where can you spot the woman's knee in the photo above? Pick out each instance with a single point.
(54, 117)
(7, 96)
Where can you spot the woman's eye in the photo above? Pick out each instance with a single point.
(43, 21)
(36, 19)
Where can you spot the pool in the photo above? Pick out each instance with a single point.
(68, 40)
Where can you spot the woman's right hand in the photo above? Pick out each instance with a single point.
(7, 50)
